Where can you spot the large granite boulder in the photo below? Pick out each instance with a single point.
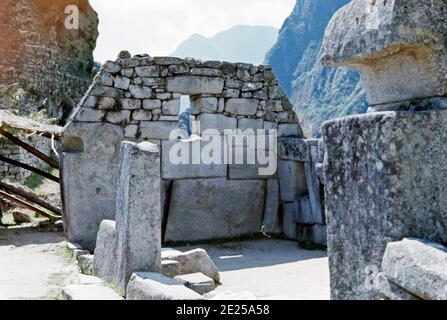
(399, 46)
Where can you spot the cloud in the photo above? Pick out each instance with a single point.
(157, 27)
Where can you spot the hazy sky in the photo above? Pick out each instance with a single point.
(157, 27)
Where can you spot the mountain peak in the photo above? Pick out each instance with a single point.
(240, 43)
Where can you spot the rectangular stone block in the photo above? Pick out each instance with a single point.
(272, 218)
(217, 122)
(214, 209)
(292, 180)
(194, 85)
(418, 267)
(138, 211)
(194, 167)
(171, 107)
(294, 149)
(159, 130)
(204, 105)
(243, 107)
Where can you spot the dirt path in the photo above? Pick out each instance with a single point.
(271, 269)
(33, 264)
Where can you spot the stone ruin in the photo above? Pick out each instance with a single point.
(137, 99)
(384, 172)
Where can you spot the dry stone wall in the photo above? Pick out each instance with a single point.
(138, 99)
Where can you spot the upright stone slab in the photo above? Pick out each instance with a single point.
(89, 172)
(385, 172)
(215, 208)
(138, 211)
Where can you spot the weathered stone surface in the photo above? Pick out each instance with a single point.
(89, 163)
(319, 234)
(195, 85)
(89, 115)
(294, 149)
(118, 117)
(159, 130)
(170, 268)
(191, 169)
(243, 107)
(290, 211)
(272, 219)
(289, 130)
(90, 292)
(253, 124)
(171, 107)
(217, 122)
(104, 78)
(418, 268)
(104, 262)
(87, 280)
(247, 172)
(140, 92)
(104, 91)
(313, 187)
(397, 162)
(142, 115)
(122, 82)
(131, 131)
(398, 46)
(154, 286)
(218, 204)
(292, 180)
(149, 71)
(304, 211)
(151, 104)
(130, 104)
(193, 261)
(86, 264)
(138, 213)
(197, 282)
(205, 105)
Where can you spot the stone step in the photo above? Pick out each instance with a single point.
(90, 292)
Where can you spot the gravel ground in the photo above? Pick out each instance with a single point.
(270, 269)
(33, 264)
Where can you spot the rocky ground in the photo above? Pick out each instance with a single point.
(36, 265)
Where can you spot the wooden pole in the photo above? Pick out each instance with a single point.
(29, 196)
(30, 168)
(26, 205)
(30, 149)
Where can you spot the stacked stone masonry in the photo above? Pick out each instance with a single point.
(138, 99)
(13, 152)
